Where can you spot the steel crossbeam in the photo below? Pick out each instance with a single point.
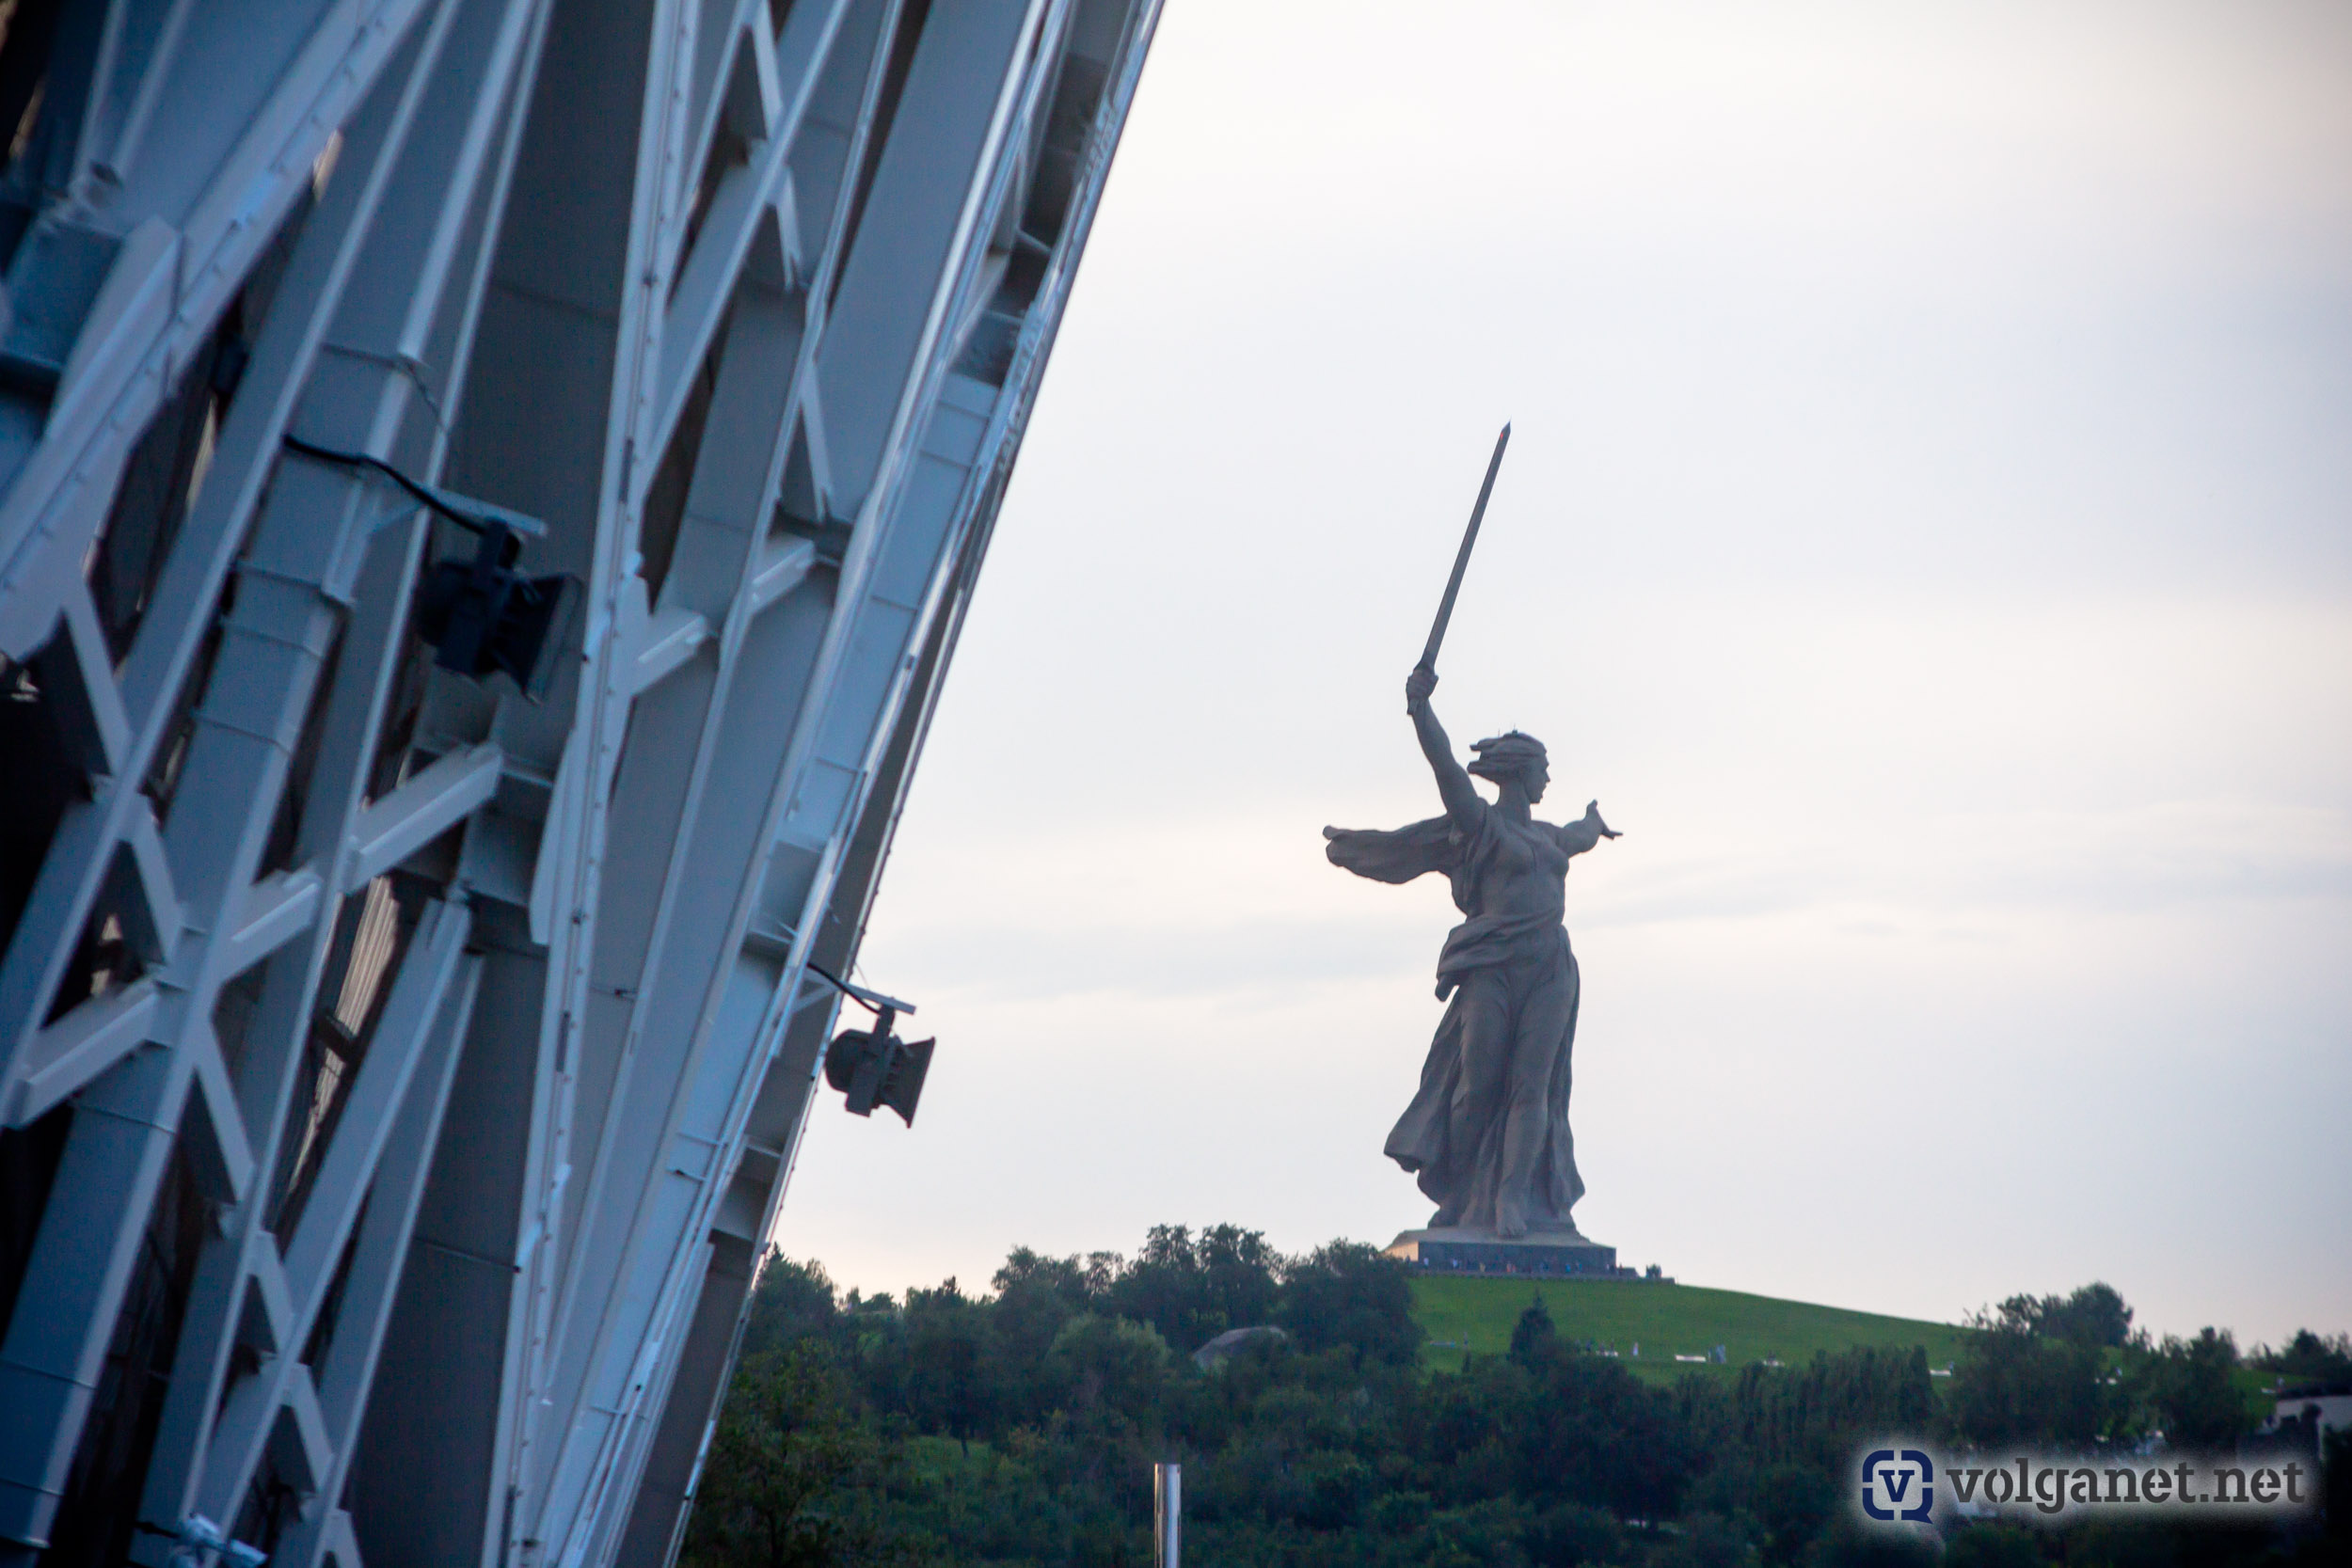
(400, 1071)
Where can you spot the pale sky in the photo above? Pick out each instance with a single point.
(1927, 529)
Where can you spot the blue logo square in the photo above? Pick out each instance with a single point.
(1898, 1485)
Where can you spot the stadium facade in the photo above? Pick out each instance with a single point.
(488, 492)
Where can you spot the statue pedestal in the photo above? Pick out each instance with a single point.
(1554, 1255)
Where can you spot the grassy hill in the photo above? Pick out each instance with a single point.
(1665, 1319)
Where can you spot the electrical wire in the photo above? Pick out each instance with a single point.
(424, 494)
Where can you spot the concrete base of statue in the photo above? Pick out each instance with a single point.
(1543, 1254)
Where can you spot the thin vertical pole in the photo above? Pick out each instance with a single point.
(1167, 1515)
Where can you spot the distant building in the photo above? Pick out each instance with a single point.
(2329, 1406)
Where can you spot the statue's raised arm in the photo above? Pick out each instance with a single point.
(1454, 785)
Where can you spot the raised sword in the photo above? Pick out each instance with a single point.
(1461, 559)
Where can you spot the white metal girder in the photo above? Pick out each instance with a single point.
(398, 1074)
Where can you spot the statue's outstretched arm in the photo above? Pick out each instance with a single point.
(1577, 837)
(1454, 785)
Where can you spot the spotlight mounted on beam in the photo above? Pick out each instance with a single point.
(874, 1067)
(482, 616)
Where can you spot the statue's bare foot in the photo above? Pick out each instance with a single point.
(1510, 1219)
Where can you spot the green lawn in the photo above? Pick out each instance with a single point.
(1665, 1319)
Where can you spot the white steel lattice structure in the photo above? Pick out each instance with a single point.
(398, 1074)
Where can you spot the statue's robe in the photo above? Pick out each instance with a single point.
(1462, 1181)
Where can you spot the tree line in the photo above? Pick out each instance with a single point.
(1019, 1427)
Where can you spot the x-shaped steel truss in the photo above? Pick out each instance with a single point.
(400, 1075)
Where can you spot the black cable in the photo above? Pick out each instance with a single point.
(424, 494)
(838, 983)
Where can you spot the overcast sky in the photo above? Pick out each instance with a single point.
(1927, 529)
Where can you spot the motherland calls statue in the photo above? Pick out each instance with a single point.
(1487, 1135)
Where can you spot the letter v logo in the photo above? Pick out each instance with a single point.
(1884, 1470)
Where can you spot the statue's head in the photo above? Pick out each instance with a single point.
(1514, 755)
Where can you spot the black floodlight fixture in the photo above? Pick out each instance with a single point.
(482, 616)
(874, 1067)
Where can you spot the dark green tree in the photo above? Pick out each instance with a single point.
(790, 1301)
(1847, 1544)
(2017, 1383)
(1788, 1503)
(1534, 1334)
(2191, 1387)
(1098, 1362)
(951, 1376)
(1811, 1415)
(2093, 1315)
(1351, 1297)
(785, 1483)
(1573, 1535)
(1989, 1545)
(2309, 1357)
(1583, 1428)
(1191, 1290)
